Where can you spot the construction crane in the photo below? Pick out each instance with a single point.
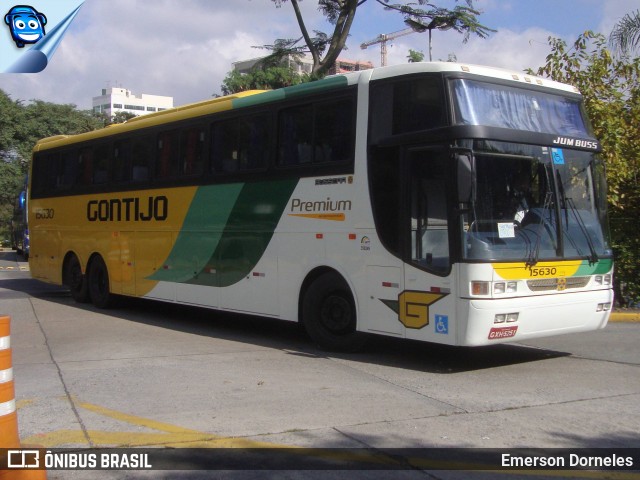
(382, 39)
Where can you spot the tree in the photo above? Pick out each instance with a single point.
(415, 56)
(9, 123)
(625, 37)
(261, 79)
(325, 49)
(611, 90)
(118, 117)
(21, 126)
(44, 119)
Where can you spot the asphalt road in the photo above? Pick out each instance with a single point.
(151, 374)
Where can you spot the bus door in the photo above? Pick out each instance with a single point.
(410, 202)
(385, 272)
(423, 304)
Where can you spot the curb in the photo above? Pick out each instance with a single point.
(628, 317)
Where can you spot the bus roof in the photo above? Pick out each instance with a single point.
(158, 118)
(489, 72)
(257, 97)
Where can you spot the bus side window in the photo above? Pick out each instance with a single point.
(192, 150)
(101, 165)
(224, 147)
(333, 132)
(385, 188)
(429, 218)
(49, 171)
(168, 161)
(417, 105)
(122, 161)
(403, 106)
(66, 171)
(319, 133)
(85, 166)
(141, 159)
(240, 144)
(295, 142)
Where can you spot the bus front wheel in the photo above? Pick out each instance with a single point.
(75, 280)
(98, 277)
(329, 314)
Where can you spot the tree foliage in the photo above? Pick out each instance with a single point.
(261, 79)
(625, 37)
(415, 56)
(611, 89)
(21, 126)
(325, 48)
(462, 19)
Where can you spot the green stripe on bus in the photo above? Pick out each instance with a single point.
(200, 233)
(249, 230)
(303, 89)
(598, 268)
(226, 232)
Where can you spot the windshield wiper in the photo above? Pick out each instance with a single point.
(534, 253)
(593, 257)
(568, 202)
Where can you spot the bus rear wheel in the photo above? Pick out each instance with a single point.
(329, 314)
(75, 280)
(98, 277)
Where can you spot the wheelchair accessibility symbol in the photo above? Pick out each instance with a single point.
(442, 324)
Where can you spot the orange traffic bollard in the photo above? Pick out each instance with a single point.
(9, 437)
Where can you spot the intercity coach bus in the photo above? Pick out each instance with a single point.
(441, 202)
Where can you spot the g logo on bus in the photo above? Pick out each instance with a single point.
(561, 284)
(414, 306)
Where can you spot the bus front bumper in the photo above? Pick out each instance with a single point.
(516, 319)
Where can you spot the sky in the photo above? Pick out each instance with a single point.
(185, 48)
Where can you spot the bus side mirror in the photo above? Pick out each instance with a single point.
(466, 178)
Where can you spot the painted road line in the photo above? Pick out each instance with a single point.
(178, 437)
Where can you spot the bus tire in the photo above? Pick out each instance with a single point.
(75, 280)
(329, 314)
(98, 282)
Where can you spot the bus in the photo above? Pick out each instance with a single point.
(19, 225)
(448, 203)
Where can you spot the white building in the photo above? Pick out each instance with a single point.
(118, 99)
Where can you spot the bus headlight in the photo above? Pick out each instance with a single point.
(505, 287)
(484, 289)
(603, 279)
(506, 317)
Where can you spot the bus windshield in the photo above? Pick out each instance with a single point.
(536, 203)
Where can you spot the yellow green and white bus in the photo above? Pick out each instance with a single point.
(448, 203)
